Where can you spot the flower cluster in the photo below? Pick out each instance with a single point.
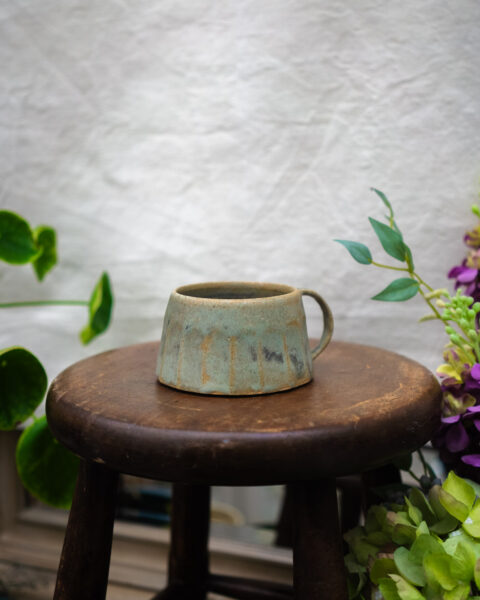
(458, 438)
(467, 275)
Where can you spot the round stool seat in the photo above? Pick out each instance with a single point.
(364, 407)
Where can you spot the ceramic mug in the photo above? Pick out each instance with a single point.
(238, 338)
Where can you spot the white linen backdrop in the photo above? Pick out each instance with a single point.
(185, 141)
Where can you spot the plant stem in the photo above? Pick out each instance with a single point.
(437, 314)
(421, 281)
(412, 474)
(376, 264)
(427, 469)
(44, 303)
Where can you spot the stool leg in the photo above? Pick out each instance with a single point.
(318, 568)
(85, 560)
(188, 561)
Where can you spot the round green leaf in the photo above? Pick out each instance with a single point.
(381, 568)
(405, 590)
(460, 490)
(17, 245)
(413, 572)
(476, 573)
(23, 383)
(358, 251)
(437, 568)
(418, 499)
(472, 522)
(47, 469)
(46, 242)
(398, 291)
(100, 310)
(388, 589)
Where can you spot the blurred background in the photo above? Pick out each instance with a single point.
(184, 141)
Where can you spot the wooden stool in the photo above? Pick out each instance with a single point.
(364, 407)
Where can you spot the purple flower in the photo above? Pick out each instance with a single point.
(471, 459)
(458, 440)
(467, 275)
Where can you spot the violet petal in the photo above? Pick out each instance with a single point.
(457, 438)
(471, 459)
(449, 420)
(467, 275)
(475, 371)
(455, 271)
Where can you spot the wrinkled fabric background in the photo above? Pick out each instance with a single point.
(183, 141)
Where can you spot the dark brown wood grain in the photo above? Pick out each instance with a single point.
(318, 567)
(188, 561)
(83, 570)
(364, 406)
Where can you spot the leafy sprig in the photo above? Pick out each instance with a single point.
(459, 312)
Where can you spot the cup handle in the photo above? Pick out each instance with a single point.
(327, 322)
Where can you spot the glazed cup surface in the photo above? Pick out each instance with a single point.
(237, 338)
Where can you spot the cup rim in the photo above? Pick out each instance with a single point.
(283, 290)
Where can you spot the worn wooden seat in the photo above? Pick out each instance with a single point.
(364, 407)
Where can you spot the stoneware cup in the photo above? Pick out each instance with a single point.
(238, 338)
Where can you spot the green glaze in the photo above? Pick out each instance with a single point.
(238, 338)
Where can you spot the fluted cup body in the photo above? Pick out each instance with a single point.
(235, 338)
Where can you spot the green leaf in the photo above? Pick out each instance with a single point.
(472, 522)
(17, 245)
(422, 529)
(352, 565)
(405, 590)
(375, 518)
(100, 310)
(463, 562)
(47, 469)
(358, 251)
(404, 534)
(409, 258)
(46, 242)
(423, 546)
(23, 383)
(388, 589)
(418, 499)
(437, 569)
(461, 592)
(412, 571)
(457, 509)
(434, 499)
(476, 573)
(445, 525)
(414, 513)
(475, 486)
(384, 199)
(359, 547)
(381, 568)
(460, 490)
(377, 538)
(398, 291)
(390, 239)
